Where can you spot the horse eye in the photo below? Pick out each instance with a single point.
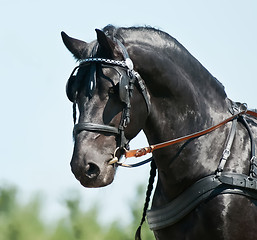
(113, 89)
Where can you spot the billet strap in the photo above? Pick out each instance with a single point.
(143, 151)
(229, 142)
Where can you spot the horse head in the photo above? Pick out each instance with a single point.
(105, 89)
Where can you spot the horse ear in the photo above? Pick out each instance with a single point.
(75, 46)
(107, 43)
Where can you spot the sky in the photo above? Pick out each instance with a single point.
(36, 117)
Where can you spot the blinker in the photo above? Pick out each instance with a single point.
(77, 76)
(71, 89)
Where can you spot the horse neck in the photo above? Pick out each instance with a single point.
(185, 98)
(172, 74)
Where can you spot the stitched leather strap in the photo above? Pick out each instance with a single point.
(211, 186)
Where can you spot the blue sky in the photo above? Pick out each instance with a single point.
(36, 118)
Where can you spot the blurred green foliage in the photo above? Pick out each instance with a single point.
(23, 221)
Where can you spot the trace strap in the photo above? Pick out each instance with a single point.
(143, 151)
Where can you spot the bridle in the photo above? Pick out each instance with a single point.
(126, 86)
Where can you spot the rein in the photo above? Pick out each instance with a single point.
(143, 151)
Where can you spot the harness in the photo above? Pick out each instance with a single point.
(205, 188)
(208, 187)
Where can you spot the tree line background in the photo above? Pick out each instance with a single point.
(23, 221)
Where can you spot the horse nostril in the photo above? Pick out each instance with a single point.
(92, 170)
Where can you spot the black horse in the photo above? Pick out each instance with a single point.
(141, 78)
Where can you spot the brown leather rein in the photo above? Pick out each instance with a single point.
(143, 151)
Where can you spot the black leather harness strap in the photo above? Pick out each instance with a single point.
(205, 188)
(253, 162)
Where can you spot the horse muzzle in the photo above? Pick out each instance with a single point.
(90, 163)
(93, 175)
